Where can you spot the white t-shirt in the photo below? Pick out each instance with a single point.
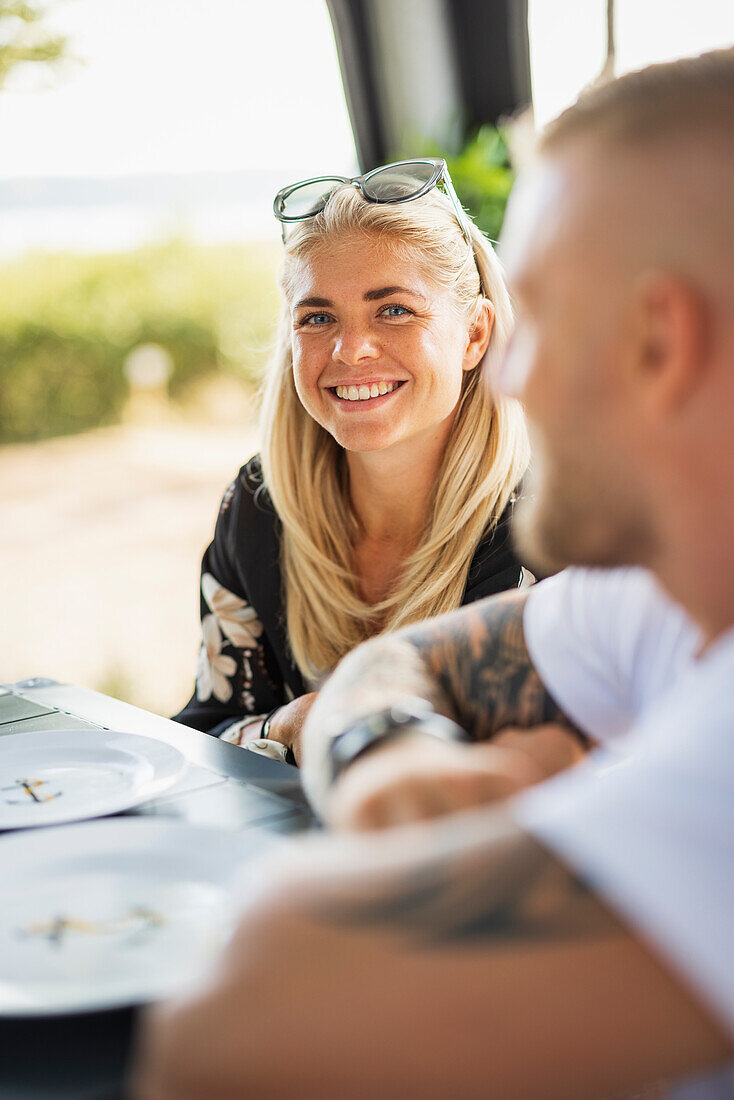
(606, 643)
(654, 833)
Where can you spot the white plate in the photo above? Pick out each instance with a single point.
(52, 776)
(112, 913)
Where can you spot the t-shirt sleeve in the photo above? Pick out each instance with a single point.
(654, 834)
(606, 643)
(236, 676)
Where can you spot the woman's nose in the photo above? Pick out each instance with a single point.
(353, 344)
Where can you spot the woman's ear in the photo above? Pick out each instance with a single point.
(479, 334)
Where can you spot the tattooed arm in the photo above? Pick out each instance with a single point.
(459, 959)
(473, 666)
(481, 664)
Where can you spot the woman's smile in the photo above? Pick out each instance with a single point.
(364, 395)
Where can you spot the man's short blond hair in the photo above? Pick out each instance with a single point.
(661, 102)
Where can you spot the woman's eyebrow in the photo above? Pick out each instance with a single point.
(313, 302)
(386, 291)
(369, 296)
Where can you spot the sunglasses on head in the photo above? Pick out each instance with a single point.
(391, 183)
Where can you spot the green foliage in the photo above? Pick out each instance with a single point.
(483, 178)
(55, 383)
(22, 41)
(67, 324)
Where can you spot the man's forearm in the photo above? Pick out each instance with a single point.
(472, 665)
(429, 966)
(379, 674)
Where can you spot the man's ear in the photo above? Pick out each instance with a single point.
(670, 338)
(479, 334)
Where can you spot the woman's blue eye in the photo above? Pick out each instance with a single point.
(317, 319)
(394, 311)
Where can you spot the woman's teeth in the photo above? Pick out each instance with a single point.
(364, 393)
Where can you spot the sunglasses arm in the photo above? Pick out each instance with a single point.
(458, 208)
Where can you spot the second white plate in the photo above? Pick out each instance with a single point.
(111, 913)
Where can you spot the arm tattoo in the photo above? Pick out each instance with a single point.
(472, 665)
(479, 660)
(507, 891)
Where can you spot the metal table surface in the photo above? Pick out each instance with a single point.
(84, 1056)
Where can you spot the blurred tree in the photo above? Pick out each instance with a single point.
(22, 39)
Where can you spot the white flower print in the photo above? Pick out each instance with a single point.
(238, 621)
(214, 666)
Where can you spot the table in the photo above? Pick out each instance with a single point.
(84, 1056)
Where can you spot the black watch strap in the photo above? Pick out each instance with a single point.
(377, 728)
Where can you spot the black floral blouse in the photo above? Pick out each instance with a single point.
(245, 668)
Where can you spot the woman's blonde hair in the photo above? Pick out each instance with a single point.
(305, 469)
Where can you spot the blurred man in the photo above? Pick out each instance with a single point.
(579, 942)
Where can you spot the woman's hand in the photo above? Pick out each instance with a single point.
(287, 723)
(419, 777)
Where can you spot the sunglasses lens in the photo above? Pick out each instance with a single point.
(397, 182)
(309, 199)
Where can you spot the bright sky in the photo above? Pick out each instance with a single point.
(181, 85)
(568, 39)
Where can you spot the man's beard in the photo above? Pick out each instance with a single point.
(568, 516)
(535, 529)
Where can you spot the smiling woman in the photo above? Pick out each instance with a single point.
(404, 336)
(388, 467)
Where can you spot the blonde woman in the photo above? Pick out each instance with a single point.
(388, 468)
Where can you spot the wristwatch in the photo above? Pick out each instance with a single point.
(410, 714)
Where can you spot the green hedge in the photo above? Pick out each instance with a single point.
(57, 384)
(68, 323)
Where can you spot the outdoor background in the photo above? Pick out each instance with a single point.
(142, 145)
